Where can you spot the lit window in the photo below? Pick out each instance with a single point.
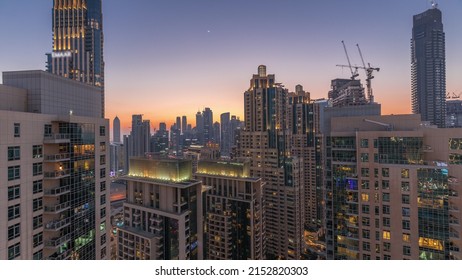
(386, 235)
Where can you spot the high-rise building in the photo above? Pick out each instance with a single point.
(53, 169)
(428, 66)
(199, 128)
(178, 124)
(225, 142)
(454, 113)
(216, 133)
(264, 141)
(163, 212)
(184, 124)
(396, 186)
(116, 130)
(78, 42)
(300, 114)
(234, 211)
(138, 143)
(159, 141)
(207, 115)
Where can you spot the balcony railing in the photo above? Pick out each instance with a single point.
(56, 138)
(58, 224)
(58, 190)
(57, 157)
(57, 208)
(55, 242)
(57, 174)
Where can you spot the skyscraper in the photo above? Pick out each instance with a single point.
(54, 165)
(225, 140)
(428, 66)
(264, 142)
(78, 42)
(116, 130)
(138, 143)
(184, 124)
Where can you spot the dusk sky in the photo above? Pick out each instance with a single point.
(170, 58)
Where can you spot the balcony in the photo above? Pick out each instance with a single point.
(55, 242)
(57, 157)
(60, 256)
(58, 224)
(57, 191)
(55, 209)
(56, 138)
(57, 174)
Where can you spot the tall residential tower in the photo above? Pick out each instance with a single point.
(428, 66)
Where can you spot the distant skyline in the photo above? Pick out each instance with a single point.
(170, 58)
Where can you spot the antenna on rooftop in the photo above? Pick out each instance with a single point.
(434, 4)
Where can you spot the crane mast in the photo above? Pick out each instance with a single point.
(369, 70)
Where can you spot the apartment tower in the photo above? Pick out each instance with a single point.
(428, 66)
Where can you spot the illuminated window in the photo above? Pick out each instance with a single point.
(365, 197)
(386, 235)
(405, 173)
(406, 237)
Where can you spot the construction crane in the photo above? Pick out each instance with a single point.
(369, 70)
(354, 74)
(453, 95)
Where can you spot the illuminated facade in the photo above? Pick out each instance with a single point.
(264, 140)
(234, 211)
(78, 42)
(395, 189)
(163, 212)
(53, 169)
(428, 67)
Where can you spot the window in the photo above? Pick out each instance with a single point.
(364, 143)
(386, 209)
(377, 223)
(14, 251)
(376, 143)
(365, 185)
(365, 197)
(386, 222)
(102, 173)
(386, 247)
(406, 212)
(366, 257)
(37, 186)
(103, 239)
(14, 212)
(385, 185)
(376, 157)
(405, 199)
(406, 237)
(377, 235)
(405, 173)
(14, 231)
(17, 130)
(385, 172)
(405, 187)
(37, 169)
(47, 130)
(14, 192)
(37, 151)
(37, 221)
(406, 250)
(365, 172)
(366, 234)
(366, 246)
(365, 221)
(406, 224)
(14, 172)
(386, 235)
(365, 209)
(364, 157)
(102, 159)
(37, 204)
(14, 153)
(386, 257)
(38, 255)
(102, 131)
(386, 197)
(376, 172)
(102, 213)
(102, 199)
(38, 239)
(377, 248)
(377, 210)
(102, 146)
(102, 186)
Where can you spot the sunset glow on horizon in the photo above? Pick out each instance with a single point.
(172, 58)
